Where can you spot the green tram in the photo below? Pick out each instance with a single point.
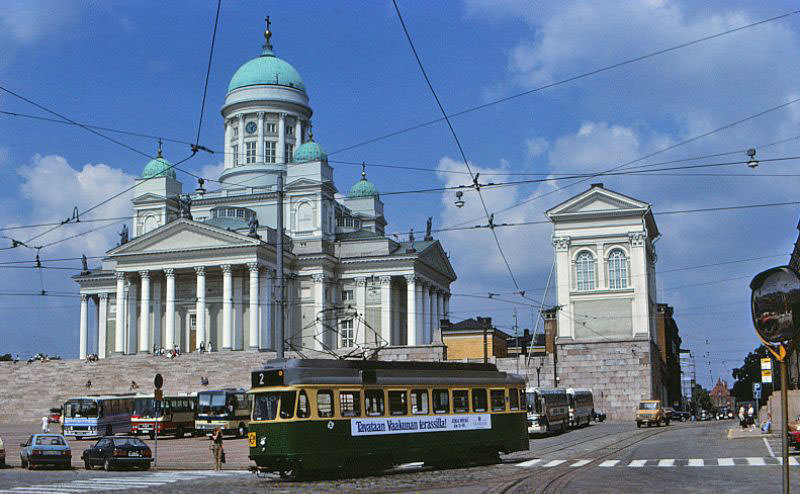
(318, 416)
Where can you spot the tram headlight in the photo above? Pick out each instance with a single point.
(263, 441)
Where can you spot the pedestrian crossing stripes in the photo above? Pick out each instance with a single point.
(118, 483)
(752, 461)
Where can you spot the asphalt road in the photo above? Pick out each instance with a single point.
(602, 458)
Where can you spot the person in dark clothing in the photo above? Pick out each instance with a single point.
(216, 448)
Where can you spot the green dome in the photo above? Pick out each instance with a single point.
(158, 167)
(309, 151)
(267, 70)
(362, 188)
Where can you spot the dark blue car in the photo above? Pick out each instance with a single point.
(112, 452)
(45, 449)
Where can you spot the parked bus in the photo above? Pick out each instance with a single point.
(97, 416)
(321, 416)
(581, 406)
(176, 415)
(228, 409)
(548, 410)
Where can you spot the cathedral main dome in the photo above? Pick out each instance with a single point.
(267, 70)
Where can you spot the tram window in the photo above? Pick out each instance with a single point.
(398, 404)
(419, 401)
(461, 401)
(325, 403)
(266, 406)
(479, 400)
(287, 404)
(498, 399)
(373, 402)
(303, 410)
(349, 403)
(441, 401)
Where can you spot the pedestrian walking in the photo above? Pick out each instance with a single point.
(217, 449)
(45, 425)
(751, 417)
(742, 418)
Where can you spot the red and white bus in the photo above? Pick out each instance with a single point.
(175, 417)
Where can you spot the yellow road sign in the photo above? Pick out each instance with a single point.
(766, 363)
(766, 375)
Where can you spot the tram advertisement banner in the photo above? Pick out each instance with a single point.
(405, 425)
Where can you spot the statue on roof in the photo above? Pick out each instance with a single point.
(428, 226)
(84, 264)
(185, 204)
(123, 235)
(253, 224)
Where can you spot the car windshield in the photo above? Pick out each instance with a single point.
(49, 441)
(211, 403)
(80, 408)
(645, 405)
(128, 441)
(144, 407)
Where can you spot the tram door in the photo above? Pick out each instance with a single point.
(192, 332)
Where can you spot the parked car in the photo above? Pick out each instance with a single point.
(45, 449)
(671, 413)
(705, 415)
(598, 416)
(112, 452)
(2, 453)
(55, 415)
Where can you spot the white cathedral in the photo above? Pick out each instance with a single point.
(199, 269)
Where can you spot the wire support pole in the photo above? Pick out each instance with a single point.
(279, 328)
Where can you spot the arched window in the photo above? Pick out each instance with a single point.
(617, 270)
(305, 217)
(584, 270)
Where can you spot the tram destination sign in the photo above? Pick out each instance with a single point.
(408, 425)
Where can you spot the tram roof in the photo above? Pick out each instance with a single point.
(358, 372)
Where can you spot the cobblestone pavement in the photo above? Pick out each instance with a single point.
(608, 457)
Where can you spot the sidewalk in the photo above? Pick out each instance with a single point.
(739, 433)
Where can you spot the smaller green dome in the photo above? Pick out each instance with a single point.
(158, 167)
(309, 151)
(363, 188)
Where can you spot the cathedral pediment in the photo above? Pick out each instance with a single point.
(435, 257)
(182, 235)
(598, 201)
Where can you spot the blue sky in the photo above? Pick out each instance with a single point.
(140, 66)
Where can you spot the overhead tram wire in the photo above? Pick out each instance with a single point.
(208, 74)
(567, 80)
(474, 178)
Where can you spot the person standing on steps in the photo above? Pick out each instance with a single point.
(216, 448)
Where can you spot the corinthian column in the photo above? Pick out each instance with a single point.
(119, 324)
(84, 329)
(144, 313)
(200, 306)
(411, 306)
(386, 309)
(169, 337)
(253, 330)
(102, 325)
(227, 307)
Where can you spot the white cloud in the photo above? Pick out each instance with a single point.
(26, 21)
(51, 189)
(536, 146)
(212, 172)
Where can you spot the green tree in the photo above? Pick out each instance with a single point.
(750, 372)
(701, 397)
(6, 357)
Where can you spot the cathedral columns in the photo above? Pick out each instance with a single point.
(281, 151)
(386, 309)
(84, 329)
(144, 313)
(425, 313)
(411, 304)
(102, 324)
(200, 306)
(119, 325)
(169, 337)
(253, 329)
(227, 307)
(298, 132)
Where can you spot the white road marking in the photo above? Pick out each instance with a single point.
(756, 461)
(581, 463)
(553, 463)
(769, 448)
(696, 462)
(792, 461)
(666, 462)
(529, 463)
(725, 462)
(637, 463)
(609, 463)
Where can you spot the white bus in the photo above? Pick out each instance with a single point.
(548, 410)
(581, 406)
(228, 409)
(97, 416)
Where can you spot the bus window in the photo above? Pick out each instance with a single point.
(348, 403)
(419, 401)
(373, 402)
(325, 403)
(441, 401)
(303, 410)
(479, 400)
(498, 400)
(461, 401)
(513, 399)
(398, 404)
(287, 404)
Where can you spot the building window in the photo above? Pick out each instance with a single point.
(347, 295)
(290, 131)
(250, 150)
(235, 150)
(289, 150)
(347, 334)
(269, 151)
(617, 270)
(584, 270)
(236, 132)
(271, 128)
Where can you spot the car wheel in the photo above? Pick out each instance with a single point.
(667, 422)
(638, 425)
(180, 433)
(87, 464)
(146, 466)
(242, 431)
(107, 465)
(152, 435)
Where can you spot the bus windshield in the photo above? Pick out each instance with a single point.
(144, 407)
(80, 409)
(212, 403)
(533, 403)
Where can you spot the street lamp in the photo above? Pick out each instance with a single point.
(753, 161)
(459, 201)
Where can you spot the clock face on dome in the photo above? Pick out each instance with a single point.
(250, 127)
